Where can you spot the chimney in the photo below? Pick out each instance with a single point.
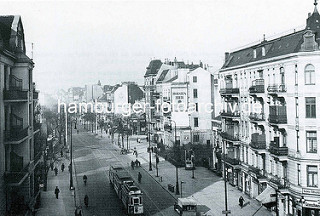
(201, 65)
(226, 56)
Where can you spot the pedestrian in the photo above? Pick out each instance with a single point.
(241, 201)
(137, 140)
(85, 178)
(139, 177)
(51, 165)
(132, 165)
(62, 167)
(57, 191)
(61, 153)
(56, 171)
(86, 200)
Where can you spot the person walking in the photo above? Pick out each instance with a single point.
(62, 167)
(86, 200)
(241, 201)
(56, 192)
(132, 165)
(51, 165)
(85, 178)
(56, 171)
(61, 152)
(139, 177)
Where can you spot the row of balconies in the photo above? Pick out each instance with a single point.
(258, 86)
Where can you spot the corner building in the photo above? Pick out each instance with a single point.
(272, 154)
(20, 143)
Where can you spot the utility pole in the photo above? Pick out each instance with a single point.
(150, 164)
(225, 179)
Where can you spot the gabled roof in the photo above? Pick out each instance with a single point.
(172, 79)
(153, 68)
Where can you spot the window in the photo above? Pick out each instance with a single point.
(297, 107)
(197, 107)
(196, 138)
(296, 75)
(311, 139)
(194, 79)
(309, 75)
(310, 107)
(196, 122)
(312, 176)
(263, 51)
(195, 93)
(299, 174)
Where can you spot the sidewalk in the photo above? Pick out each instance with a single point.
(206, 188)
(65, 205)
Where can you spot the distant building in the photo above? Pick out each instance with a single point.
(20, 145)
(271, 153)
(93, 92)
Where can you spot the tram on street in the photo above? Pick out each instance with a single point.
(127, 191)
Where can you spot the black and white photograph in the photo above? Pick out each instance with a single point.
(159, 108)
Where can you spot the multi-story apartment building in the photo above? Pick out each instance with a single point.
(20, 146)
(187, 89)
(271, 152)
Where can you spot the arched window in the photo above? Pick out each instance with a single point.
(309, 75)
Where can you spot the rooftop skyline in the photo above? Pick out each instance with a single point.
(78, 43)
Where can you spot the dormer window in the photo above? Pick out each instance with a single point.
(254, 53)
(309, 43)
(263, 51)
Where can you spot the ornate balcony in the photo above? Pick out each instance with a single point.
(228, 113)
(230, 136)
(15, 134)
(258, 141)
(256, 116)
(257, 86)
(275, 149)
(15, 91)
(278, 114)
(275, 89)
(16, 178)
(232, 161)
(226, 91)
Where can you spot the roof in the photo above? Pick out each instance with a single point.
(287, 44)
(187, 201)
(281, 46)
(172, 79)
(162, 75)
(153, 67)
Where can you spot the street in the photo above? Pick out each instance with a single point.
(92, 157)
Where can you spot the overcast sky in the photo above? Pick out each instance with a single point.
(78, 43)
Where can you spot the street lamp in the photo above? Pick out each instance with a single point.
(150, 164)
(176, 165)
(71, 178)
(182, 182)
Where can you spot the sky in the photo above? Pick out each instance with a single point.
(80, 42)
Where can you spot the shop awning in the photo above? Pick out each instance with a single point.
(266, 196)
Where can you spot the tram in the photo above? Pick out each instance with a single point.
(127, 191)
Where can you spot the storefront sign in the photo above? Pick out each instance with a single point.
(310, 204)
(311, 191)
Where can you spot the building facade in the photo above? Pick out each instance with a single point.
(20, 144)
(269, 121)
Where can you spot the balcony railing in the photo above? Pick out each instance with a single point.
(15, 94)
(255, 170)
(258, 141)
(256, 116)
(277, 88)
(15, 134)
(15, 83)
(36, 126)
(35, 95)
(229, 91)
(232, 161)
(167, 127)
(230, 114)
(275, 149)
(230, 136)
(278, 114)
(257, 86)
(17, 177)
